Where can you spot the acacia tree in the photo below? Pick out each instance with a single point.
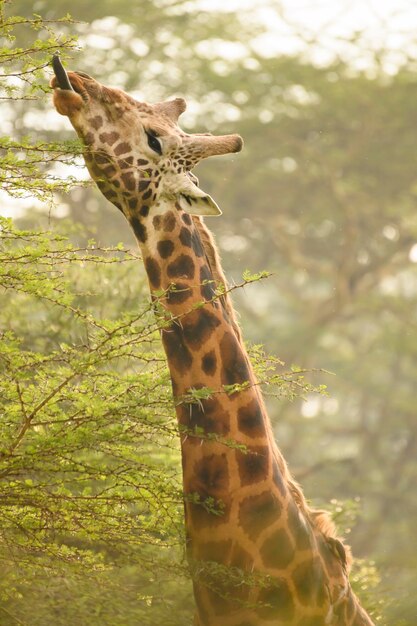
(89, 472)
(89, 481)
(89, 465)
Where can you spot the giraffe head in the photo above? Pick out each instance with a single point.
(136, 152)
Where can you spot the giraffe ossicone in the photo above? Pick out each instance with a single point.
(258, 554)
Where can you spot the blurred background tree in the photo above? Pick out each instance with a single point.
(323, 196)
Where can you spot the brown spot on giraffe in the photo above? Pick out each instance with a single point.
(278, 551)
(179, 355)
(128, 181)
(138, 228)
(211, 476)
(122, 148)
(165, 248)
(253, 464)
(257, 512)
(198, 327)
(144, 184)
(234, 363)
(126, 163)
(186, 219)
(154, 272)
(110, 138)
(156, 222)
(185, 237)
(251, 421)
(304, 577)
(207, 414)
(210, 503)
(209, 363)
(178, 293)
(169, 222)
(277, 600)
(182, 267)
(96, 122)
(207, 284)
(141, 161)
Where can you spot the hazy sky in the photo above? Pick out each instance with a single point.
(382, 23)
(344, 15)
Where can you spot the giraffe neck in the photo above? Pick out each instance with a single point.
(185, 275)
(240, 511)
(243, 512)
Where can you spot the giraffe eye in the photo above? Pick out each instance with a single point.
(153, 142)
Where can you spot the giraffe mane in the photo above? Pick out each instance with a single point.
(322, 522)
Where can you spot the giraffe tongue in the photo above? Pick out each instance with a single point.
(60, 73)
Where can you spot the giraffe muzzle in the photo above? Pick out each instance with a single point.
(60, 73)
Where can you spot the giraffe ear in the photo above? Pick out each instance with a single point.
(194, 200)
(172, 108)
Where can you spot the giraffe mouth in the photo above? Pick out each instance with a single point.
(62, 81)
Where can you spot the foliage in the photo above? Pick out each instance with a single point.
(89, 462)
(89, 455)
(322, 196)
(27, 165)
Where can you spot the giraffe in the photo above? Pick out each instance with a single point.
(258, 554)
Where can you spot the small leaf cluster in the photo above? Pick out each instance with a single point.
(28, 167)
